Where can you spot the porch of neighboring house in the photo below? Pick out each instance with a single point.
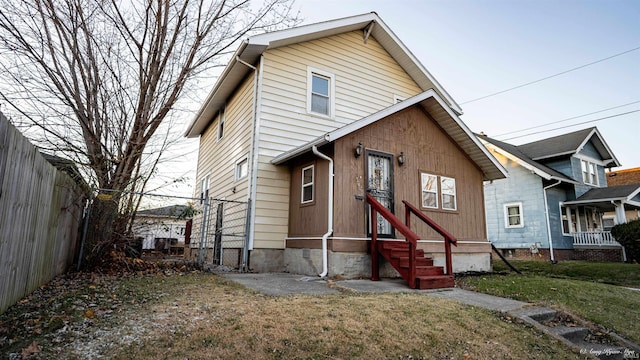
(588, 221)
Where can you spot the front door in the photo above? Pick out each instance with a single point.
(380, 186)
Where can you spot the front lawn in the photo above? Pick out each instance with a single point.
(590, 290)
(203, 316)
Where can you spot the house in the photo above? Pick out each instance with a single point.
(617, 178)
(554, 202)
(304, 123)
(163, 229)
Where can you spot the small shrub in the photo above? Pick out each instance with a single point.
(628, 235)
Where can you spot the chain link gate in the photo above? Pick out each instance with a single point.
(219, 233)
(215, 231)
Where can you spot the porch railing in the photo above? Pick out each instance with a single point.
(594, 238)
(448, 238)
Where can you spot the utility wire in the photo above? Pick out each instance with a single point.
(550, 76)
(566, 126)
(564, 120)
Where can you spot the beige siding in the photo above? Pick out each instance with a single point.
(217, 158)
(366, 80)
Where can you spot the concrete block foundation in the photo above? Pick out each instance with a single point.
(358, 265)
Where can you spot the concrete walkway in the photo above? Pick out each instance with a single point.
(289, 284)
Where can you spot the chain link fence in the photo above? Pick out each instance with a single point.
(210, 231)
(219, 233)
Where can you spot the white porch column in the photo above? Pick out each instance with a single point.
(621, 217)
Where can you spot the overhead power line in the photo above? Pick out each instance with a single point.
(550, 76)
(565, 120)
(581, 123)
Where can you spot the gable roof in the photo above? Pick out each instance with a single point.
(252, 48)
(442, 114)
(514, 153)
(569, 144)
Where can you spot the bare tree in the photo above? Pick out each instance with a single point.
(95, 79)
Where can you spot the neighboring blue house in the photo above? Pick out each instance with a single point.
(553, 202)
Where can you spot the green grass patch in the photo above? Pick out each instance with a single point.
(581, 288)
(603, 272)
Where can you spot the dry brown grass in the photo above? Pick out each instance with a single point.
(207, 317)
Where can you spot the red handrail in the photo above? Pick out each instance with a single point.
(449, 239)
(410, 236)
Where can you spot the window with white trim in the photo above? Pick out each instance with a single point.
(221, 118)
(204, 189)
(429, 186)
(513, 217)
(589, 172)
(242, 168)
(307, 184)
(320, 92)
(448, 189)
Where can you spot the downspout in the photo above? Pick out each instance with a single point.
(253, 153)
(325, 268)
(546, 211)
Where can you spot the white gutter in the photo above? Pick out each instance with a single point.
(325, 268)
(546, 211)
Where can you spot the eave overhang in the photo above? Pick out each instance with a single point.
(252, 48)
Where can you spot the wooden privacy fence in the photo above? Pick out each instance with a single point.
(40, 212)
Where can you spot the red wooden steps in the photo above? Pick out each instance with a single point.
(427, 276)
(435, 282)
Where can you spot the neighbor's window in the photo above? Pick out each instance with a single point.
(448, 188)
(569, 223)
(242, 168)
(320, 92)
(429, 184)
(307, 184)
(513, 215)
(589, 173)
(221, 118)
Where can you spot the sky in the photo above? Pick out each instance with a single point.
(477, 48)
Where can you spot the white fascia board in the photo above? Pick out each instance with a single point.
(357, 125)
(288, 155)
(633, 194)
(519, 161)
(606, 146)
(406, 52)
(316, 30)
(471, 135)
(634, 203)
(592, 201)
(203, 114)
